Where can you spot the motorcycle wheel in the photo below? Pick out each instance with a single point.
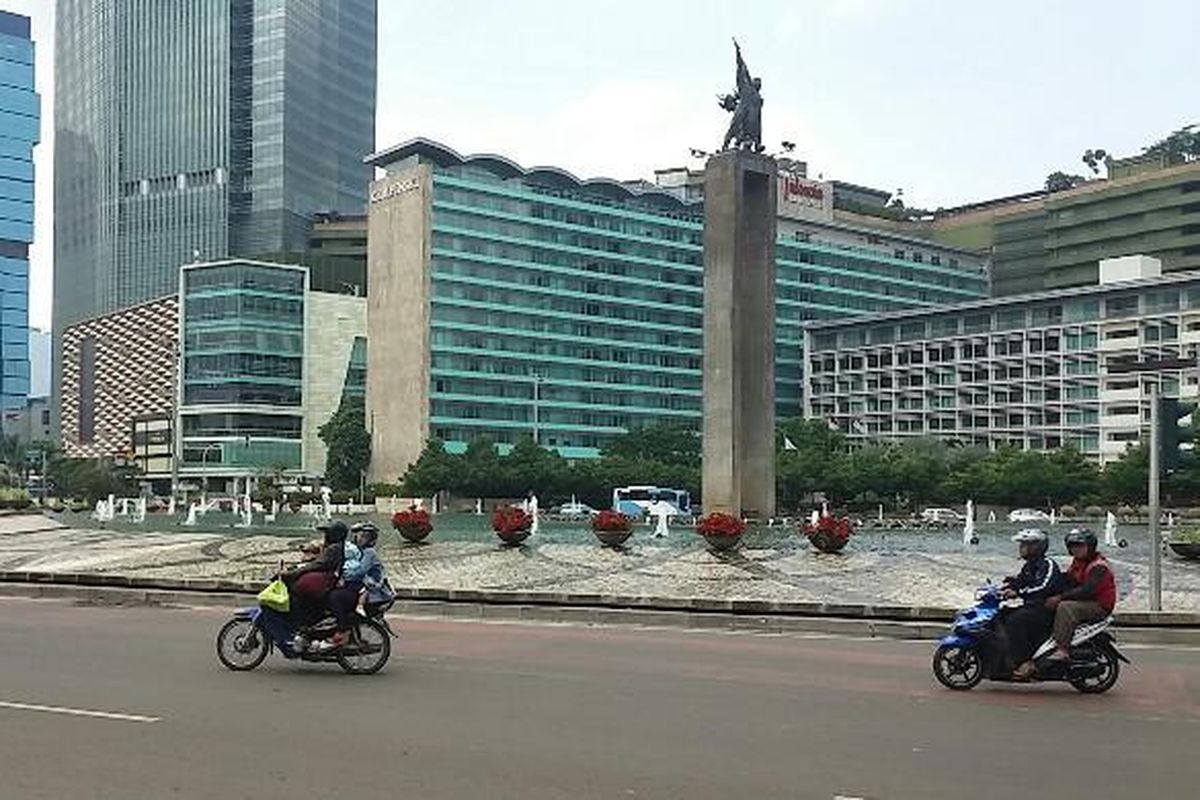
(957, 667)
(1101, 683)
(368, 650)
(242, 645)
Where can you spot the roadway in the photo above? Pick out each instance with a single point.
(478, 710)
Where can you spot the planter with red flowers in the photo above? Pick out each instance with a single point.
(412, 524)
(612, 528)
(828, 534)
(721, 531)
(512, 524)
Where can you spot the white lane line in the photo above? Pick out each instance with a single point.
(77, 712)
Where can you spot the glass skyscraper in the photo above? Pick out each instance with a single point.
(19, 117)
(201, 129)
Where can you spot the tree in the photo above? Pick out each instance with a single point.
(1060, 181)
(480, 470)
(434, 471)
(669, 444)
(1094, 158)
(348, 445)
(529, 467)
(1127, 478)
(91, 479)
(1178, 147)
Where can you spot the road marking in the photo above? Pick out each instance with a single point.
(77, 712)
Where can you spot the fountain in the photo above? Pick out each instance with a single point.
(479, 505)
(1110, 532)
(969, 536)
(531, 508)
(269, 518)
(662, 513)
(171, 505)
(326, 512)
(193, 509)
(246, 510)
(139, 510)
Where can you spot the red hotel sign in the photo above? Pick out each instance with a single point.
(798, 190)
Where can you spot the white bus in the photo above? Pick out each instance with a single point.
(635, 501)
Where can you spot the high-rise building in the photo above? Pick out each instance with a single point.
(508, 302)
(19, 118)
(201, 129)
(1041, 241)
(1038, 371)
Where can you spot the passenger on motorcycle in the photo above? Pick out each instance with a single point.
(309, 583)
(1038, 579)
(1092, 596)
(359, 562)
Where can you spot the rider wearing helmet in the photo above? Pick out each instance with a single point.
(312, 580)
(362, 573)
(1038, 579)
(1092, 593)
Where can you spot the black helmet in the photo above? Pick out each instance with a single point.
(1035, 537)
(1082, 536)
(335, 531)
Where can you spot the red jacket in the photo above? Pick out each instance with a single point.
(1102, 587)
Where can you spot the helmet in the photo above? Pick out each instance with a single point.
(1082, 536)
(1035, 537)
(366, 533)
(335, 531)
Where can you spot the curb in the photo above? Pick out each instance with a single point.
(922, 623)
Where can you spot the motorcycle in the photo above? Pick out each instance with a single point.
(244, 641)
(977, 648)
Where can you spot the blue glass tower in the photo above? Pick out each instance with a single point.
(19, 116)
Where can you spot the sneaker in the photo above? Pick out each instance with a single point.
(321, 646)
(299, 644)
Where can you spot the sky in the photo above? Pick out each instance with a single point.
(950, 100)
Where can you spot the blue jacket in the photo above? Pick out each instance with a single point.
(369, 570)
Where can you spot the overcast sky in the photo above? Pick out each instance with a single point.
(952, 101)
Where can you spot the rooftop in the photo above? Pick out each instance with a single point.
(502, 167)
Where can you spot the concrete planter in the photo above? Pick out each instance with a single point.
(514, 538)
(413, 534)
(719, 543)
(1188, 550)
(613, 538)
(827, 542)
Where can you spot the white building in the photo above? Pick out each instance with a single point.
(1037, 371)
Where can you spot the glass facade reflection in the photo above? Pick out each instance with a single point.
(242, 359)
(201, 129)
(19, 120)
(571, 310)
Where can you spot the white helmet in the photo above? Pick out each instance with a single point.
(1034, 536)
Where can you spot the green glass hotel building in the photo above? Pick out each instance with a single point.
(509, 302)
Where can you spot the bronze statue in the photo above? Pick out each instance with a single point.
(745, 129)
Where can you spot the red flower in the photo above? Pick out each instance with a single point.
(415, 520)
(510, 519)
(718, 524)
(838, 528)
(611, 521)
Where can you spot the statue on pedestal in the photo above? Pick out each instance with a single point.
(745, 129)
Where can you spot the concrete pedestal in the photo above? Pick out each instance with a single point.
(739, 334)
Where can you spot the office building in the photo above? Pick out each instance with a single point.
(507, 301)
(19, 127)
(265, 362)
(201, 129)
(1048, 240)
(1038, 371)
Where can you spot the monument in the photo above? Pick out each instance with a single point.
(739, 312)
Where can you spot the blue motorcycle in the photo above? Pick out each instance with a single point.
(977, 648)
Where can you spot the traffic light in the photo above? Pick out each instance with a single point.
(1173, 433)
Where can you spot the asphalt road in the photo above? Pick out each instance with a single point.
(474, 710)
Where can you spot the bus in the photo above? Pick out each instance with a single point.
(635, 501)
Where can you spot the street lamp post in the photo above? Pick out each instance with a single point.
(204, 470)
(537, 398)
